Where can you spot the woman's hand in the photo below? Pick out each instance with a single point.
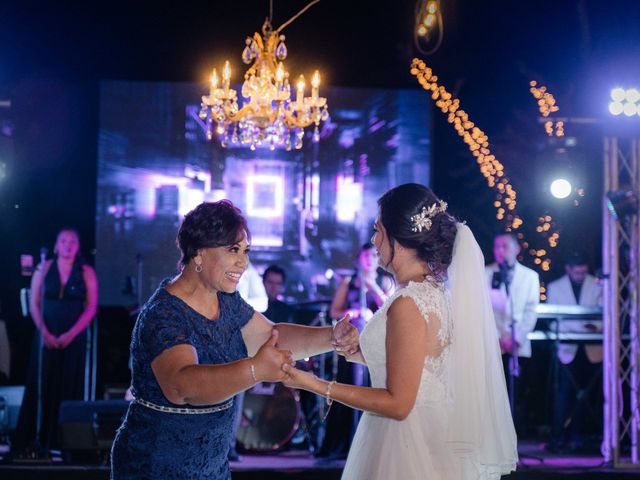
(50, 341)
(345, 337)
(269, 361)
(300, 379)
(65, 339)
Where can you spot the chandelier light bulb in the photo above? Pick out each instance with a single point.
(315, 81)
(214, 79)
(280, 73)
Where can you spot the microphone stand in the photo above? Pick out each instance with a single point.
(514, 364)
(39, 452)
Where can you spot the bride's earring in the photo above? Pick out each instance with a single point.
(198, 268)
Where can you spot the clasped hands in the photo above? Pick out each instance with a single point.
(59, 342)
(273, 364)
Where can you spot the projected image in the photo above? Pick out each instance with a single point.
(309, 210)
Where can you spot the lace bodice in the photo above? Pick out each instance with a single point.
(433, 301)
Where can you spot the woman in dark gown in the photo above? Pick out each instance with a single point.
(195, 345)
(65, 290)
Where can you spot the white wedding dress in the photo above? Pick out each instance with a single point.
(437, 441)
(414, 448)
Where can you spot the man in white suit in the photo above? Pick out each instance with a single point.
(515, 294)
(576, 287)
(523, 286)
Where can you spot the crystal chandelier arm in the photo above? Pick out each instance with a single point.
(288, 22)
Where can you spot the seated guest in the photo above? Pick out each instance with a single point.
(274, 279)
(576, 287)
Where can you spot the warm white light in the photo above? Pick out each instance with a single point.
(561, 188)
(630, 109)
(632, 95)
(315, 81)
(214, 79)
(615, 108)
(430, 20)
(618, 94)
(280, 73)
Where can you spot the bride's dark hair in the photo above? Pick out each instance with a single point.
(434, 245)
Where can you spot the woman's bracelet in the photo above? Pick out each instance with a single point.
(328, 399)
(253, 373)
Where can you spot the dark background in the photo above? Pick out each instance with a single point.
(53, 56)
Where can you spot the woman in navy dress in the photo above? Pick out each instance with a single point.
(195, 345)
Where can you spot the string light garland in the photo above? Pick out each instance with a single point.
(547, 105)
(478, 143)
(491, 168)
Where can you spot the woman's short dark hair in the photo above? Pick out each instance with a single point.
(210, 224)
(434, 245)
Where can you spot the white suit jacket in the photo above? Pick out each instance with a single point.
(252, 289)
(524, 297)
(559, 292)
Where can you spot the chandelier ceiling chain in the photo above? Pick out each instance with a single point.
(270, 116)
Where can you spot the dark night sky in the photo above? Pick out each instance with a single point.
(52, 58)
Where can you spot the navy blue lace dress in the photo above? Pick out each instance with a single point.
(153, 444)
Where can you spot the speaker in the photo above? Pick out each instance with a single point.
(10, 402)
(90, 425)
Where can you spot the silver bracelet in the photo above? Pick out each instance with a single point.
(253, 373)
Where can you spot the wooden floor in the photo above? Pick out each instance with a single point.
(536, 463)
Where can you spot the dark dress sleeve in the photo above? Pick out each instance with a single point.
(161, 328)
(239, 311)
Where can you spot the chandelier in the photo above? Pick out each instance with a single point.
(270, 115)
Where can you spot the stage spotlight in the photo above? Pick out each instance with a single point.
(622, 203)
(561, 188)
(625, 101)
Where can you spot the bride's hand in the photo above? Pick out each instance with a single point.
(299, 378)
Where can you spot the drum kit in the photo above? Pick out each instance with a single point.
(273, 414)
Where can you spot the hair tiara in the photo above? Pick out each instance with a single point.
(423, 220)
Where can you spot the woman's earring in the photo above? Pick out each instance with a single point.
(198, 268)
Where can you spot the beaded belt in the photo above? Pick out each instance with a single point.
(185, 411)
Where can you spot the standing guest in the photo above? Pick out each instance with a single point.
(376, 286)
(195, 345)
(342, 420)
(64, 299)
(438, 406)
(576, 287)
(274, 279)
(515, 295)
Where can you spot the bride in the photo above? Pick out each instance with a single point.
(438, 407)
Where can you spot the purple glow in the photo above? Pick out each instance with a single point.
(259, 189)
(348, 198)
